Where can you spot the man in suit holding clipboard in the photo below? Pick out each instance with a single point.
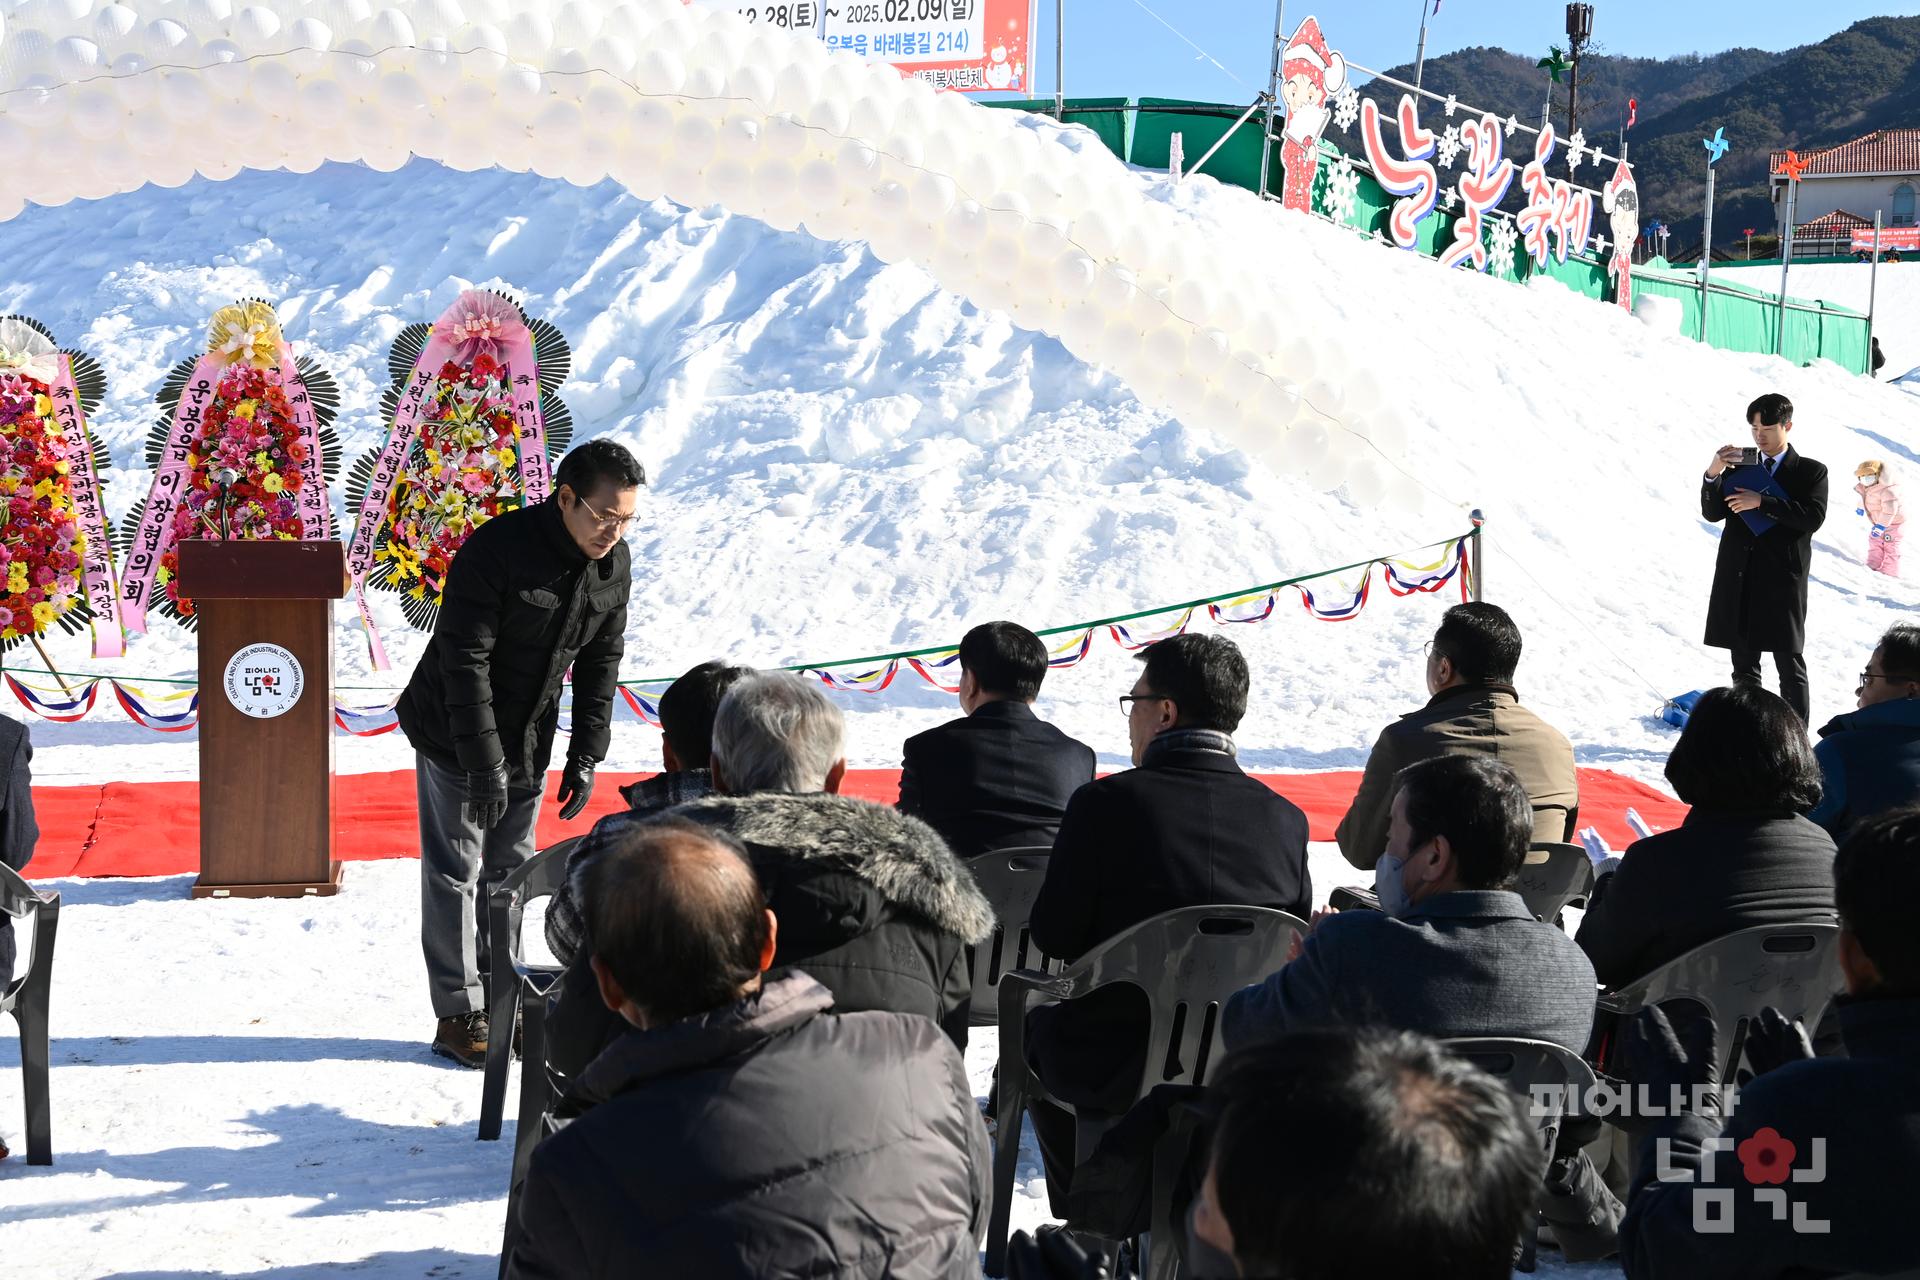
(1771, 505)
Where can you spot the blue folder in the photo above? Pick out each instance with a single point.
(1755, 478)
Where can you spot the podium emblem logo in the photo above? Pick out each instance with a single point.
(264, 681)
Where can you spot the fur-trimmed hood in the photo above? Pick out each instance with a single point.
(902, 858)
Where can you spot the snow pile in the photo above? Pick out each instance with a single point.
(1895, 298)
(846, 460)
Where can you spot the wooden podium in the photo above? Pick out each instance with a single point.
(266, 714)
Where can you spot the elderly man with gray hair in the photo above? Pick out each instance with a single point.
(871, 902)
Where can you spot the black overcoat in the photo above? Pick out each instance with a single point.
(1760, 580)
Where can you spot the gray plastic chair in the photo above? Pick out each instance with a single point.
(1541, 1072)
(1793, 967)
(1010, 878)
(512, 981)
(27, 999)
(1553, 877)
(1187, 962)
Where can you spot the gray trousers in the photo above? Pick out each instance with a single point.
(459, 865)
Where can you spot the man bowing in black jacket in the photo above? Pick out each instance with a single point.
(530, 594)
(1759, 602)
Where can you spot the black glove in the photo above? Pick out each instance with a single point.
(576, 785)
(487, 796)
(1774, 1040)
(1052, 1254)
(1660, 1056)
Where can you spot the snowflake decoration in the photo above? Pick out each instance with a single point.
(1513, 122)
(1451, 106)
(1346, 108)
(1576, 149)
(1504, 238)
(1599, 246)
(1343, 190)
(1449, 148)
(1450, 199)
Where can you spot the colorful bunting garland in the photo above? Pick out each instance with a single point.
(1067, 646)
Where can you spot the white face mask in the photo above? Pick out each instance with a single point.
(1390, 883)
(1869, 479)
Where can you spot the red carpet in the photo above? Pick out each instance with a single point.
(153, 828)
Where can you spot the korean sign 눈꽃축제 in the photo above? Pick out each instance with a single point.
(971, 46)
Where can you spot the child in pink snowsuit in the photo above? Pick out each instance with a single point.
(1880, 499)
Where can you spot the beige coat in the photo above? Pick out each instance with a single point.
(1480, 719)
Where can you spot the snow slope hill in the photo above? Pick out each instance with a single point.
(847, 460)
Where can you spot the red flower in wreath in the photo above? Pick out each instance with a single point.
(1767, 1157)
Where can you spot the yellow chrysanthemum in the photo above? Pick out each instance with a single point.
(273, 482)
(246, 409)
(42, 405)
(43, 613)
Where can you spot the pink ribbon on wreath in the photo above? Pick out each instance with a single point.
(316, 512)
(103, 594)
(154, 537)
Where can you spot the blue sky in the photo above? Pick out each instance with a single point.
(1116, 48)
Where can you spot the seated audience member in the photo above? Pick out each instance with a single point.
(1855, 1119)
(1475, 711)
(871, 901)
(999, 777)
(739, 1128)
(1870, 758)
(686, 745)
(1185, 828)
(1420, 1164)
(1452, 952)
(1744, 856)
(18, 830)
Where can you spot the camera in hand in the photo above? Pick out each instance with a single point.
(1750, 456)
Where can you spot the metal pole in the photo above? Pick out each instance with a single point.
(1873, 282)
(1059, 59)
(1479, 555)
(1420, 54)
(1786, 261)
(1273, 93)
(1706, 257)
(1231, 129)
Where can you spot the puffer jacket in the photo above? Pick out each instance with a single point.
(523, 603)
(766, 1139)
(871, 902)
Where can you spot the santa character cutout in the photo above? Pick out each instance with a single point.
(1621, 203)
(1310, 74)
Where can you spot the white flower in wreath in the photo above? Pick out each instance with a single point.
(1343, 190)
(1448, 149)
(1346, 108)
(1504, 240)
(1576, 149)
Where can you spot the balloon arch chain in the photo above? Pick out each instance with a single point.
(1333, 419)
(178, 709)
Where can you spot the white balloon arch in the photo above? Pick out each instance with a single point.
(699, 106)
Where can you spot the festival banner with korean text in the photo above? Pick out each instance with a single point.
(969, 46)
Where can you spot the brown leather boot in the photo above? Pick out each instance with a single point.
(463, 1038)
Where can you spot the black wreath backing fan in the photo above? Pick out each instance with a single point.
(323, 392)
(553, 361)
(90, 381)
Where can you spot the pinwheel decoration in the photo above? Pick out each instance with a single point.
(1554, 64)
(1792, 167)
(1716, 146)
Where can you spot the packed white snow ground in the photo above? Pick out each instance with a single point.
(846, 460)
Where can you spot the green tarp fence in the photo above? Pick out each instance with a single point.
(1742, 318)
